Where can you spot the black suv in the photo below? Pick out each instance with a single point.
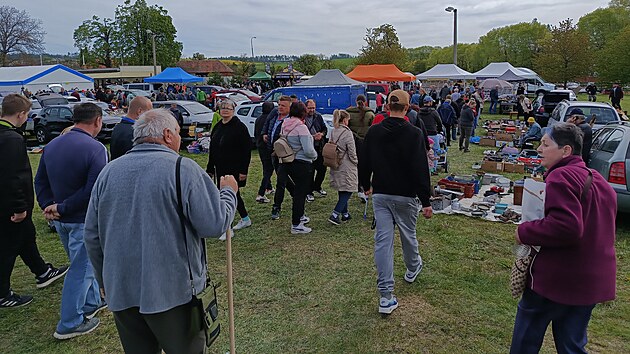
(54, 119)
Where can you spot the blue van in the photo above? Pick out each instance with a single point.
(327, 98)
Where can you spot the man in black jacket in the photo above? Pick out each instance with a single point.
(315, 124)
(122, 135)
(17, 232)
(431, 119)
(395, 170)
(264, 153)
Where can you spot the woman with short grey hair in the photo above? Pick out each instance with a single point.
(575, 268)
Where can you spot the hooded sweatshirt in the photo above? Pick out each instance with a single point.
(300, 139)
(431, 120)
(394, 161)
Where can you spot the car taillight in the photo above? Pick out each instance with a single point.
(541, 109)
(617, 173)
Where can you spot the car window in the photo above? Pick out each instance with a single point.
(555, 114)
(600, 136)
(612, 141)
(257, 112)
(602, 115)
(276, 96)
(65, 113)
(243, 111)
(197, 108)
(53, 112)
(35, 105)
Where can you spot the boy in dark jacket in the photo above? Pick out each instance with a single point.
(17, 232)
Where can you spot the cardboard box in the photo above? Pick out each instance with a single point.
(513, 167)
(492, 166)
(500, 143)
(486, 141)
(504, 137)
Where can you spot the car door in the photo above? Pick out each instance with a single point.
(605, 144)
(62, 120)
(245, 115)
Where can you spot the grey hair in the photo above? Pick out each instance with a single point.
(567, 134)
(151, 125)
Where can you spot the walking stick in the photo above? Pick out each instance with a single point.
(367, 201)
(228, 248)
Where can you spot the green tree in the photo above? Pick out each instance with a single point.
(215, 79)
(563, 57)
(612, 65)
(417, 58)
(97, 39)
(467, 57)
(382, 47)
(604, 24)
(198, 56)
(309, 64)
(517, 44)
(134, 20)
(19, 33)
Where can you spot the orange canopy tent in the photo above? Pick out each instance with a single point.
(379, 72)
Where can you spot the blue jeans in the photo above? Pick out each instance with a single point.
(568, 324)
(342, 203)
(80, 292)
(493, 107)
(389, 211)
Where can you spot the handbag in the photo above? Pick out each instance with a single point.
(206, 299)
(526, 254)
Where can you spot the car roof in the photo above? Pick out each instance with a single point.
(586, 103)
(182, 102)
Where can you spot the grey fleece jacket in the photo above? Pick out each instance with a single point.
(133, 233)
(300, 139)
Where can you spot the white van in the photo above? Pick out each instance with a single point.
(144, 86)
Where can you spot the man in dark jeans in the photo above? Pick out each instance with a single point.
(17, 232)
(494, 100)
(315, 124)
(264, 153)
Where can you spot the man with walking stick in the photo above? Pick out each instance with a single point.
(147, 251)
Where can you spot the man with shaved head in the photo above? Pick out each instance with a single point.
(122, 136)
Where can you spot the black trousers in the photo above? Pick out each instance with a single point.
(358, 143)
(300, 173)
(318, 173)
(464, 138)
(267, 165)
(178, 330)
(281, 185)
(18, 239)
(240, 204)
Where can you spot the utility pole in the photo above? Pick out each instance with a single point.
(454, 11)
(154, 59)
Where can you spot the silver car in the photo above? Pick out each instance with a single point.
(610, 156)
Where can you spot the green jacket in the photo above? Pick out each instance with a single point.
(201, 96)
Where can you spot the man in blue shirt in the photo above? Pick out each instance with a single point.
(122, 136)
(534, 133)
(64, 181)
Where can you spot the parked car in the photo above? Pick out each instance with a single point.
(545, 103)
(144, 86)
(51, 99)
(54, 119)
(193, 113)
(247, 112)
(603, 113)
(610, 156)
(208, 89)
(378, 88)
(252, 96)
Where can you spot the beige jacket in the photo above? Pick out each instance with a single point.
(345, 178)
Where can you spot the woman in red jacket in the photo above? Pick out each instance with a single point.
(576, 265)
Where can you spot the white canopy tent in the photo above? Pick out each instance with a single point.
(445, 72)
(494, 70)
(35, 78)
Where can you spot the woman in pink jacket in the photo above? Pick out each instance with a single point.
(576, 265)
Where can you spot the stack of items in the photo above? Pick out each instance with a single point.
(502, 133)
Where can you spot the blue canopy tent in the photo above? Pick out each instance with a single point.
(174, 76)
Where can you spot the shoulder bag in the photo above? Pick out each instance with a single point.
(330, 153)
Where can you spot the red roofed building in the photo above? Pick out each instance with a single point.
(204, 67)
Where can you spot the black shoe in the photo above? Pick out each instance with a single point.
(461, 148)
(334, 220)
(466, 150)
(346, 218)
(15, 300)
(52, 275)
(275, 213)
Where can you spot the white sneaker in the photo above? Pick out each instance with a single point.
(310, 198)
(262, 199)
(305, 219)
(243, 224)
(362, 196)
(300, 229)
(270, 191)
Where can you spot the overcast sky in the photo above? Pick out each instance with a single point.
(223, 28)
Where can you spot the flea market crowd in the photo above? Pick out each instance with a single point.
(386, 156)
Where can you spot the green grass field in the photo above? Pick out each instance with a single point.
(317, 293)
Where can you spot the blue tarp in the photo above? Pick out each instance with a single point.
(175, 76)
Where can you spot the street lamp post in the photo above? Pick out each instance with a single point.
(251, 43)
(149, 32)
(454, 11)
